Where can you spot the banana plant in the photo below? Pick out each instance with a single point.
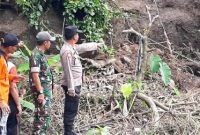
(27, 104)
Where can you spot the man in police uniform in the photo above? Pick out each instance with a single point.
(41, 83)
(72, 76)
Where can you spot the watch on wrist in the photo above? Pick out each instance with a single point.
(41, 92)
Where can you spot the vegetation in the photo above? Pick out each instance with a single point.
(156, 64)
(110, 51)
(93, 17)
(33, 10)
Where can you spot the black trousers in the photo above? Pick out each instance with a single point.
(12, 123)
(70, 110)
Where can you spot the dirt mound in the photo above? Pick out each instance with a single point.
(180, 18)
(11, 22)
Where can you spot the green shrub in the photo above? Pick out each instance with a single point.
(93, 17)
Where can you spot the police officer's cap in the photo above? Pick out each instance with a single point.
(70, 31)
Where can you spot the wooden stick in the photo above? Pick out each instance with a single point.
(151, 104)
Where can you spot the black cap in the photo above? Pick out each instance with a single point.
(70, 31)
(10, 40)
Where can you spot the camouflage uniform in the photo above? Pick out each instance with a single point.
(38, 63)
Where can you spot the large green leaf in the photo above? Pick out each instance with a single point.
(127, 89)
(27, 104)
(22, 68)
(54, 59)
(165, 72)
(176, 91)
(91, 132)
(154, 63)
(104, 130)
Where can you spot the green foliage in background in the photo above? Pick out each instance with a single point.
(110, 51)
(27, 104)
(96, 21)
(94, 24)
(33, 10)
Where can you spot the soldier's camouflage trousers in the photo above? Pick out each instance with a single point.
(42, 112)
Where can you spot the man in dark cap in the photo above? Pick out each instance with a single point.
(41, 83)
(8, 46)
(72, 75)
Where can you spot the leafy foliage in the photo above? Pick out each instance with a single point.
(165, 72)
(27, 104)
(110, 51)
(176, 91)
(23, 68)
(156, 64)
(93, 17)
(126, 90)
(33, 10)
(54, 59)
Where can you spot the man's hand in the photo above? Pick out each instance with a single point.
(40, 98)
(19, 107)
(71, 93)
(4, 107)
(19, 77)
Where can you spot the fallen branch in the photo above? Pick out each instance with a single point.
(183, 103)
(161, 105)
(99, 63)
(131, 30)
(151, 104)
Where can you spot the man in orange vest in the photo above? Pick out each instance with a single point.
(8, 45)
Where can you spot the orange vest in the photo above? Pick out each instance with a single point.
(4, 79)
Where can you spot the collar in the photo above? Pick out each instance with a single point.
(40, 50)
(70, 45)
